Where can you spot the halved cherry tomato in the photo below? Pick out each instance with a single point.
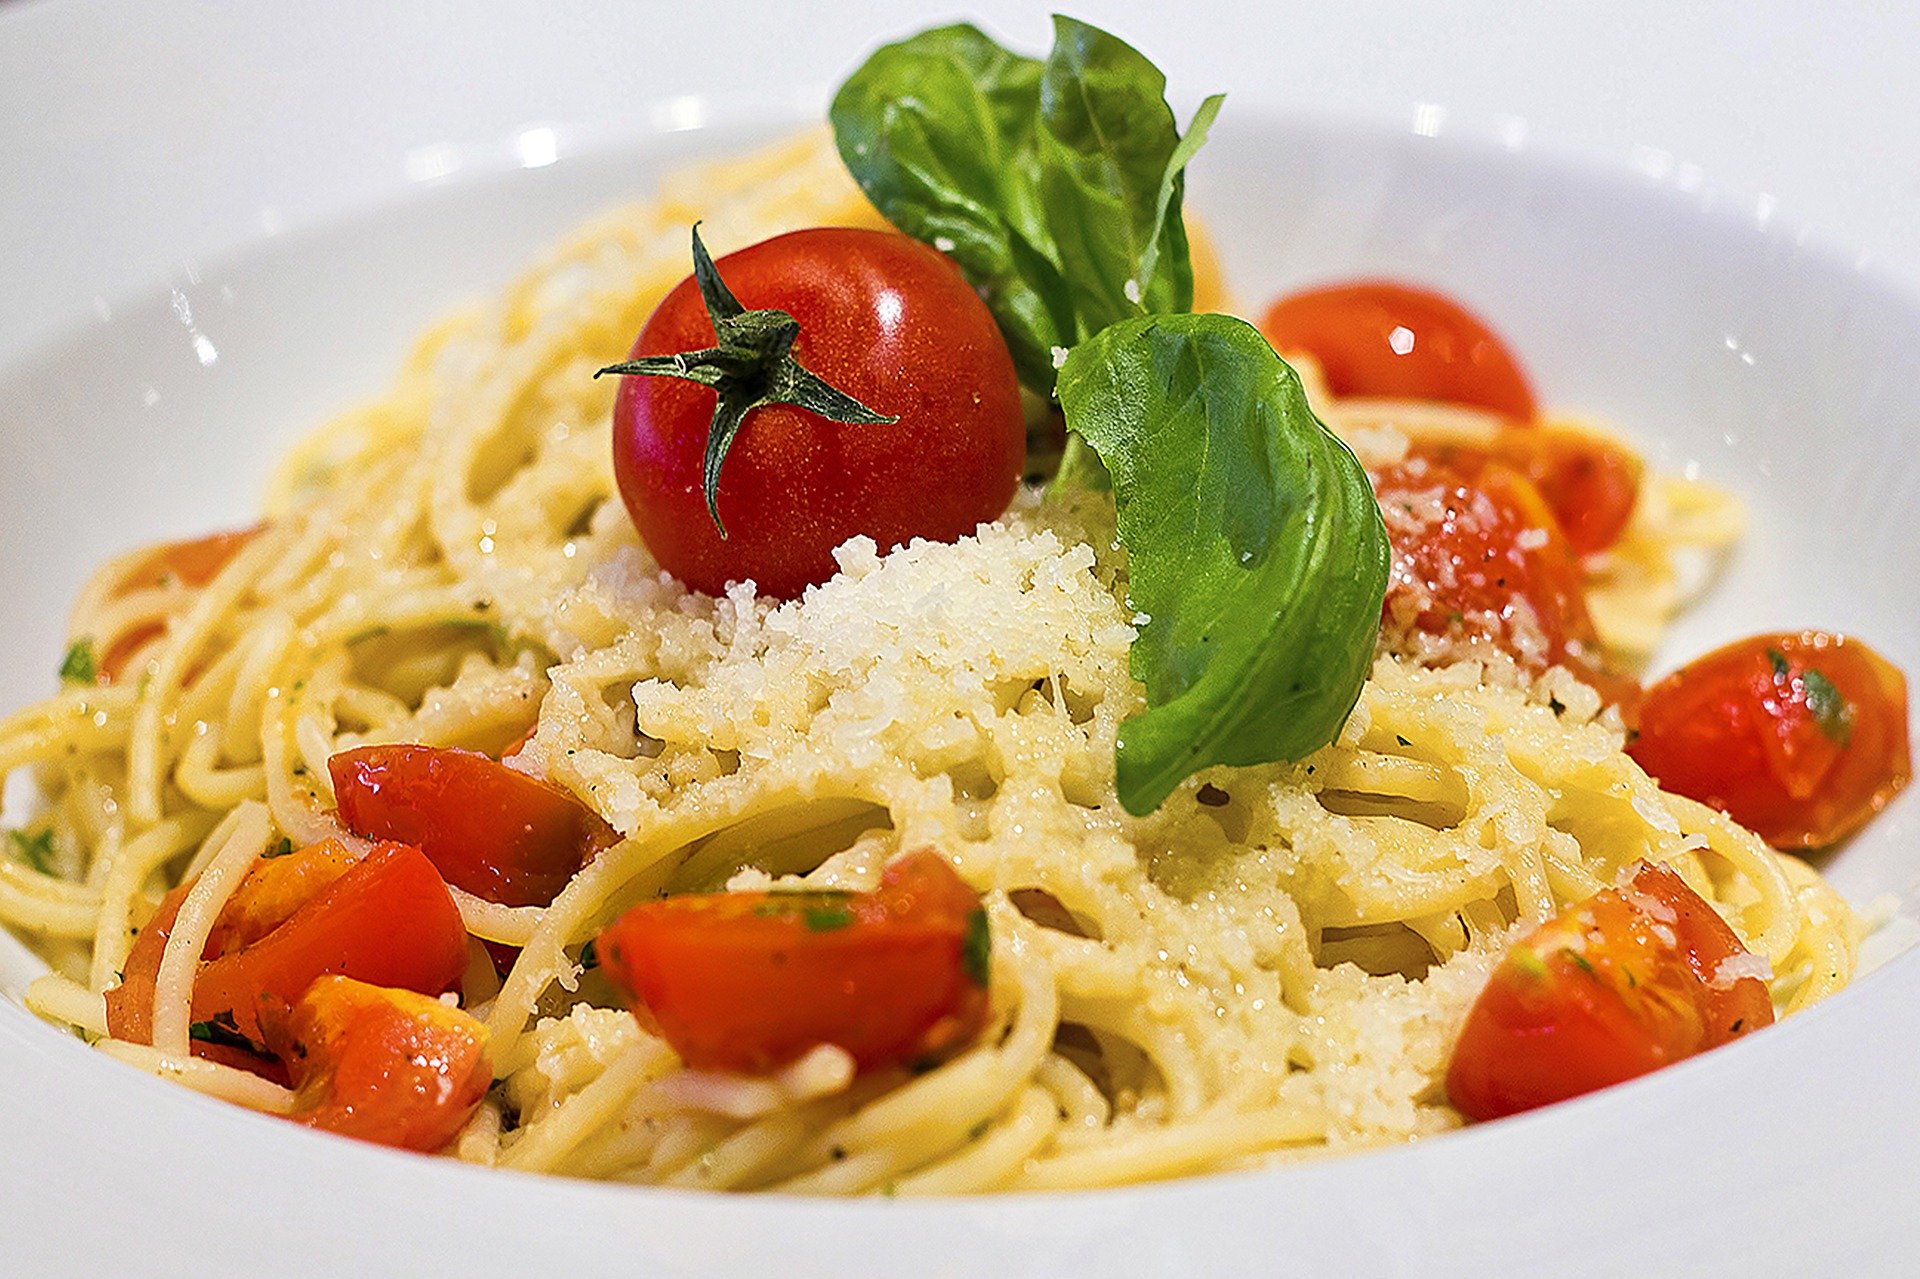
(493, 831)
(387, 919)
(751, 981)
(194, 562)
(384, 1065)
(1589, 482)
(1378, 338)
(1482, 558)
(1801, 737)
(1632, 979)
(882, 318)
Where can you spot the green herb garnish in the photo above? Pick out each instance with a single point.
(1056, 186)
(35, 850)
(222, 1029)
(1831, 710)
(1257, 556)
(976, 951)
(826, 919)
(79, 666)
(1256, 552)
(590, 955)
(281, 849)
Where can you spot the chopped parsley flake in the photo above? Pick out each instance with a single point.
(589, 955)
(79, 666)
(978, 946)
(826, 919)
(35, 850)
(281, 849)
(222, 1029)
(1831, 710)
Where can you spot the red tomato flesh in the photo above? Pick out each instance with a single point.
(384, 1065)
(387, 919)
(1800, 737)
(1589, 482)
(752, 981)
(491, 830)
(1632, 979)
(883, 318)
(1379, 338)
(192, 563)
(1481, 557)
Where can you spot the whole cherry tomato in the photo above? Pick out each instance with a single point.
(751, 981)
(1481, 557)
(883, 320)
(1632, 979)
(1799, 737)
(490, 830)
(1378, 338)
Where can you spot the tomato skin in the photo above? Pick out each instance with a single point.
(883, 318)
(383, 1065)
(1610, 989)
(1742, 733)
(1352, 331)
(387, 919)
(194, 563)
(491, 830)
(1481, 557)
(1589, 482)
(751, 981)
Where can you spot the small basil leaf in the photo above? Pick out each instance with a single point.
(1108, 178)
(938, 130)
(1255, 548)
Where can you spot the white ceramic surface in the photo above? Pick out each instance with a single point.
(214, 231)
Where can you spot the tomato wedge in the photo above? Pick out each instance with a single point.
(1632, 979)
(1481, 557)
(1589, 482)
(1380, 338)
(1801, 737)
(387, 919)
(194, 562)
(751, 981)
(383, 1065)
(493, 831)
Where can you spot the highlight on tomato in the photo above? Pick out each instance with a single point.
(1381, 338)
(1799, 736)
(1481, 557)
(751, 981)
(491, 830)
(384, 1065)
(1632, 979)
(386, 919)
(866, 391)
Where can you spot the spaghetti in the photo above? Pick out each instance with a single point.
(1271, 966)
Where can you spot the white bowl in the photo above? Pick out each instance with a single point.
(1710, 332)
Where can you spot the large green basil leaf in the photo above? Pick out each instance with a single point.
(1110, 183)
(1256, 551)
(939, 131)
(1056, 186)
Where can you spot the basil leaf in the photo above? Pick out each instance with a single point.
(938, 130)
(1109, 178)
(1056, 187)
(1255, 548)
